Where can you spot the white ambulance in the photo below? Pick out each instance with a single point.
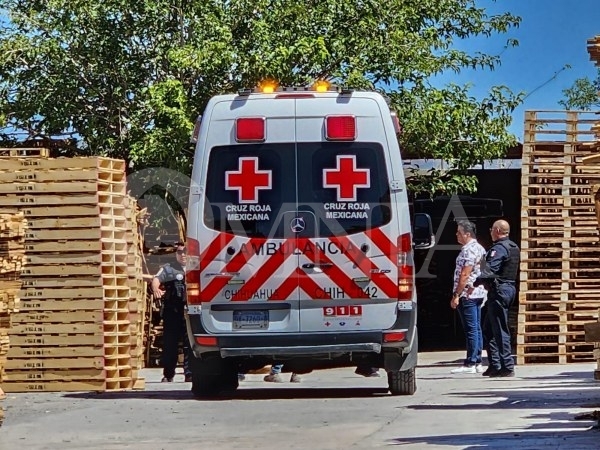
(299, 238)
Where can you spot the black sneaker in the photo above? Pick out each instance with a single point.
(490, 372)
(368, 373)
(502, 373)
(188, 378)
(166, 380)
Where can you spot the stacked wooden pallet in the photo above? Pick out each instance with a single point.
(592, 329)
(594, 49)
(560, 268)
(12, 256)
(79, 321)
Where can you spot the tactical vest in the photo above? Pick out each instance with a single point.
(174, 286)
(509, 270)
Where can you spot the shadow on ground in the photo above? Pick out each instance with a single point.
(241, 394)
(528, 440)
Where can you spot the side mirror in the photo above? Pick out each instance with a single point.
(423, 237)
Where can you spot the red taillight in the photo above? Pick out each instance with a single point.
(394, 336)
(340, 128)
(207, 341)
(192, 273)
(405, 267)
(405, 243)
(250, 129)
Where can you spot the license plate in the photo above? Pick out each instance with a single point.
(250, 320)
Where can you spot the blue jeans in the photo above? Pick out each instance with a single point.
(276, 369)
(469, 310)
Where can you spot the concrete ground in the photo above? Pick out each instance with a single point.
(333, 409)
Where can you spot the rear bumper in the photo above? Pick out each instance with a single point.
(302, 350)
(288, 345)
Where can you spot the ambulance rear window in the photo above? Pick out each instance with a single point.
(344, 185)
(248, 187)
(259, 190)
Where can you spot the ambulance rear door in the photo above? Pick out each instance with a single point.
(248, 280)
(348, 252)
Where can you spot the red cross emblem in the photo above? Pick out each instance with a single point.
(248, 180)
(346, 178)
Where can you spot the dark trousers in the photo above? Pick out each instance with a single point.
(496, 331)
(174, 331)
(469, 311)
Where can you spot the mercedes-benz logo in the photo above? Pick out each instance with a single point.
(297, 224)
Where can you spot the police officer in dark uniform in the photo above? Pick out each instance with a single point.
(172, 279)
(499, 276)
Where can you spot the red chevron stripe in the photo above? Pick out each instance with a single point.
(214, 248)
(286, 288)
(383, 242)
(334, 272)
(310, 287)
(266, 270)
(236, 263)
(365, 264)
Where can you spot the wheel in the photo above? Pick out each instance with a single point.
(402, 382)
(212, 377)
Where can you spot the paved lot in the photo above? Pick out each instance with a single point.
(332, 409)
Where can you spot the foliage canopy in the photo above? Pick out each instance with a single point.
(126, 78)
(584, 94)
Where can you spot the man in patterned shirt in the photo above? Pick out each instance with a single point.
(467, 299)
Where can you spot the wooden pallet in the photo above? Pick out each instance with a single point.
(61, 386)
(96, 292)
(24, 152)
(560, 270)
(57, 340)
(593, 47)
(57, 317)
(81, 296)
(56, 353)
(66, 282)
(67, 363)
(26, 200)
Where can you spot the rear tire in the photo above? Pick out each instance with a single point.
(402, 382)
(212, 377)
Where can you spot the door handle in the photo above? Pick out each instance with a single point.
(316, 265)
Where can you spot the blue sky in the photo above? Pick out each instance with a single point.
(552, 34)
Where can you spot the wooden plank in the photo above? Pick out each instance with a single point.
(55, 363)
(29, 200)
(66, 283)
(90, 328)
(57, 317)
(45, 176)
(48, 188)
(65, 211)
(56, 340)
(63, 222)
(36, 271)
(54, 352)
(101, 163)
(63, 246)
(50, 163)
(591, 159)
(32, 152)
(63, 258)
(54, 386)
(62, 293)
(51, 235)
(55, 375)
